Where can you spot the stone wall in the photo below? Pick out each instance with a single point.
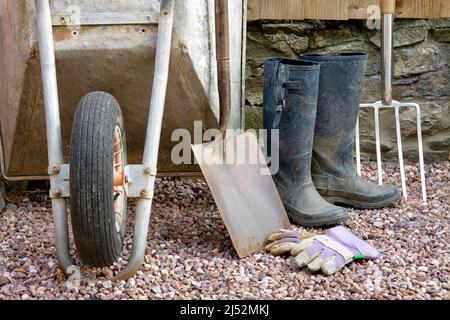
(422, 75)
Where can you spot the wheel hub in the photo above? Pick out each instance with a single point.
(119, 178)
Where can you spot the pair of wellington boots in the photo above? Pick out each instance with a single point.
(314, 102)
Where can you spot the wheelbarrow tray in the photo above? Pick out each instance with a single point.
(112, 50)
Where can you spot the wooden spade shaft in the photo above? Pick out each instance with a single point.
(223, 62)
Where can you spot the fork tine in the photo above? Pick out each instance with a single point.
(400, 151)
(421, 161)
(378, 147)
(396, 105)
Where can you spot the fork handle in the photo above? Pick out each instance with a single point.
(387, 6)
(387, 47)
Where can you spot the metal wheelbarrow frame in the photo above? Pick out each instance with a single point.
(141, 177)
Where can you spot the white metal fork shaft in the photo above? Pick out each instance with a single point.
(387, 45)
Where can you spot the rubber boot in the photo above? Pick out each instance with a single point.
(290, 102)
(333, 170)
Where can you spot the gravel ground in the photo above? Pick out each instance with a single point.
(190, 256)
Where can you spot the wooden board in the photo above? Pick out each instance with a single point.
(445, 8)
(14, 52)
(342, 9)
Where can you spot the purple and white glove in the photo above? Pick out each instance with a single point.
(282, 241)
(332, 251)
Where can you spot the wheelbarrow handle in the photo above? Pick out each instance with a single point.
(53, 126)
(223, 62)
(155, 117)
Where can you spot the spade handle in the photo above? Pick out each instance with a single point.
(223, 62)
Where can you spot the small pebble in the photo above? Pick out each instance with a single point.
(378, 224)
(156, 290)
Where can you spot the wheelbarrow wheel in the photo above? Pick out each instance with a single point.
(98, 199)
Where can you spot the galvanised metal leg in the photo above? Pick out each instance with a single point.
(152, 139)
(62, 243)
(53, 126)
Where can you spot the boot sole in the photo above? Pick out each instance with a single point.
(315, 222)
(363, 205)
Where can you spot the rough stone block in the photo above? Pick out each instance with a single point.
(431, 119)
(440, 142)
(297, 28)
(259, 49)
(403, 37)
(328, 38)
(253, 117)
(442, 35)
(418, 59)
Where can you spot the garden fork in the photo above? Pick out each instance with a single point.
(388, 10)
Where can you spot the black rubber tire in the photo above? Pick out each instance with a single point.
(91, 179)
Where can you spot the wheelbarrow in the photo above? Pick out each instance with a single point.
(98, 178)
(110, 46)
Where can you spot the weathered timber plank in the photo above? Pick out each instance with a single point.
(342, 9)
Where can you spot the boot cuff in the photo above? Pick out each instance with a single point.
(346, 56)
(303, 64)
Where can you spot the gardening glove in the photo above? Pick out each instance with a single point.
(282, 241)
(332, 251)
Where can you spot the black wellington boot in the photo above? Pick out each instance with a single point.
(290, 102)
(333, 171)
